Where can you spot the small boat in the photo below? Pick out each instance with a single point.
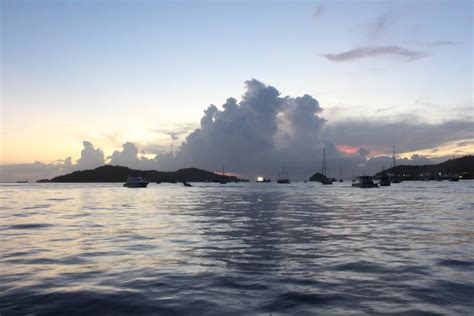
(365, 182)
(135, 182)
(22, 181)
(186, 184)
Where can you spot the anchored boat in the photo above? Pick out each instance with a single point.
(135, 182)
(365, 182)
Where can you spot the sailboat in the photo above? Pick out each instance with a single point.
(394, 179)
(340, 174)
(325, 180)
(223, 181)
(284, 175)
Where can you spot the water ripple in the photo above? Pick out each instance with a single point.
(237, 249)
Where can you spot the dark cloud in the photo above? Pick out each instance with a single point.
(376, 51)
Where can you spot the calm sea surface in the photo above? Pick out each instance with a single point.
(237, 249)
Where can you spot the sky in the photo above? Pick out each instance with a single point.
(85, 83)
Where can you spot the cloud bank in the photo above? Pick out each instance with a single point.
(255, 135)
(408, 136)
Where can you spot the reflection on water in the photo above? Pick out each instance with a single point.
(242, 248)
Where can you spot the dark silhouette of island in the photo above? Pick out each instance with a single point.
(109, 173)
(462, 167)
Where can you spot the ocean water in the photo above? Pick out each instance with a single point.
(237, 249)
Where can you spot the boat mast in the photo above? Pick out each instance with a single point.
(393, 157)
(324, 161)
(454, 165)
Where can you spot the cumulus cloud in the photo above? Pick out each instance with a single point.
(128, 157)
(254, 135)
(90, 157)
(376, 51)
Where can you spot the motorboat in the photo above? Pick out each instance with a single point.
(135, 182)
(365, 182)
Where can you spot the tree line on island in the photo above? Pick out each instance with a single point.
(462, 167)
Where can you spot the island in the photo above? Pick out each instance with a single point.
(110, 173)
